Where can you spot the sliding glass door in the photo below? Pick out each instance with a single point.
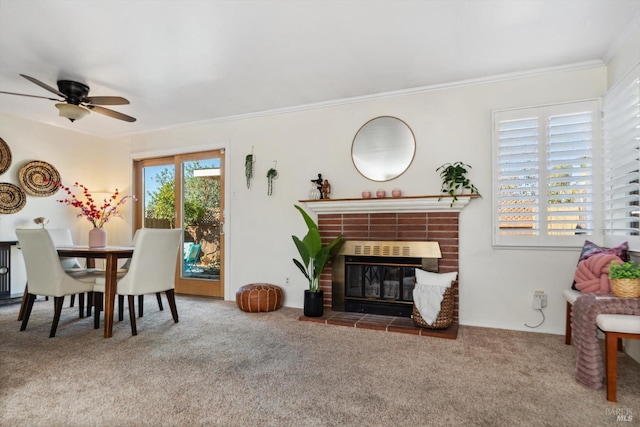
(187, 191)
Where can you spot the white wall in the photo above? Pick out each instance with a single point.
(625, 52)
(450, 124)
(96, 163)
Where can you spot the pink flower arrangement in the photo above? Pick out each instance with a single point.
(97, 213)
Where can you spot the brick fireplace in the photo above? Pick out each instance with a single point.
(405, 219)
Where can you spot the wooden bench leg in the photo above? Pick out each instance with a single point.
(611, 361)
(613, 344)
(567, 329)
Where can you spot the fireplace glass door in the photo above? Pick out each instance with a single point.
(380, 285)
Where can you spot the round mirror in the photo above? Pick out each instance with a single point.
(383, 148)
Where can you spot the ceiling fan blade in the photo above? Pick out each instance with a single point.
(111, 113)
(44, 86)
(106, 100)
(32, 96)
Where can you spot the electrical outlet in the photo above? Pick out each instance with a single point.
(539, 300)
(286, 280)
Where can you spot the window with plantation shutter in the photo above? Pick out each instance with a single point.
(621, 117)
(544, 175)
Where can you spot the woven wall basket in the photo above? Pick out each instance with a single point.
(5, 156)
(626, 288)
(12, 198)
(445, 317)
(36, 178)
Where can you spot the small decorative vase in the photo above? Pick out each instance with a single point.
(314, 193)
(313, 302)
(380, 194)
(97, 238)
(396, 192)
(366, 194)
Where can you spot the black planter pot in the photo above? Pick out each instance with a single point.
(313, 303)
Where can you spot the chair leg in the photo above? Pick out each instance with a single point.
(27, 310)
(140, 305)
(120, 306)
(611, 361)
(97, 299)
(171, 297)
(57, 304)
(159, 301)
(73, 300)
(567, 329)
(90, 302)
(132, 315)
(81, 304)
(25, 296)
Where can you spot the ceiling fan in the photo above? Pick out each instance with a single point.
(75, 103)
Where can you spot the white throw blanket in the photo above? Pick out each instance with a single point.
(427, 299)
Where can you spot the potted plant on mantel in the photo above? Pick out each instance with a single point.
(314, 257)
(455, 181)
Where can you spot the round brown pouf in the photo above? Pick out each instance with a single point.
(259, 297)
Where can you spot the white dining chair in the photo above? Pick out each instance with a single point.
(62, 237)
(152, 270)
(121, 272)
(71, 265)
(46, 276)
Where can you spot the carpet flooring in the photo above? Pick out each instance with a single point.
(220, 366)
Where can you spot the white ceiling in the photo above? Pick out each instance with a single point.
(190, 61)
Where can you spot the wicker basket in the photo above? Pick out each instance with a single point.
(445, 317)
(626, 288)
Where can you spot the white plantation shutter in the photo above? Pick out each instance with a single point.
(569, 174)
(543, 174)
(621, 158)
(518, 182)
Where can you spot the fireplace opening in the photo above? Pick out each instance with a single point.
(379, 277)
(380, 285)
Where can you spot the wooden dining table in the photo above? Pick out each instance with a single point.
(111, 255)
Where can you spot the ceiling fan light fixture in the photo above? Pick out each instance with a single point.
(71, 111)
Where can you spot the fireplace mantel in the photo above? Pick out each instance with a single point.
(388, 205)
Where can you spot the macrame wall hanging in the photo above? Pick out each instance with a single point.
(271, 175)
(248, 167)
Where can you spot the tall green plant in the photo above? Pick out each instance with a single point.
(314, 256)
